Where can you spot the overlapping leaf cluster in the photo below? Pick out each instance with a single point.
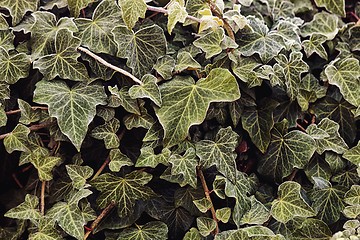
(196, 119)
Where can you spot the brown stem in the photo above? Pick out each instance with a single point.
(96, 222)
(300, 127)
(18, 110)
(293, 174)
(207, 195)
(32, 128)
(105, 163)
(226, 26)
(42, 198)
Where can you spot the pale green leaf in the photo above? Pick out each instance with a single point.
(165, 66)
(205, 225)
(155, 230)
(351, 211)
(257, 214)
(244, 67)
(123, 190)
(202, 204)
(332, 142)
(317, 167)
(28, 115)
(63, 61)
(132, 10)
(259, 40)
(26, 210)
(79, 174)
(149, 89)
(312, 229)
(347, 177)
(327, 200)
(323, 23)
(17, 140)
(44, 166)
(73, 108)
(141, 48)
(290, 203)
(184, 61)
(314, 45)
(352, 196)
(223, 214)
(353, 154)
(345, 74)
(76, 5)
(95, 33)
(122, 98)
(45, 231)
(147, 157)
(286, 151)
(3, 117)
(185, 102)
(192, 234)
(118, 160)
(210, 42)
(176, 13)
(18, 8)
(14, 66)
(334, 6)
(143, 120)
(6, 37)
(220, 152)
(186, 166)
(106, 113)
(309, 91)
(107, 132)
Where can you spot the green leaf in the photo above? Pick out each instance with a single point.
(352, 196)
(353, 154)
(18, 8)
(203, 204)
(45, 166)
(132, 10)
(76, 5)
(258, 121)
(143, 120)
(210, 42)
(26, 210)
(28, 115)
(184, 61)
(314, 45)
(257, 214)
(141, 48)
(118, 160)
(220, 152)
(107, 132)
(155, 230)
(185, 103)
(73, 108)
(147, 90)
(223, 214)
(45, 231)
(124, 191)
(286, 151)
(323, 23)
(14, 67)
(290, 203)
(312, 229)
(345, 75)
(122, 98)
(79, 174)
(309, 91)
(192, 234)
(327, 200)
(351, 211)
(334, 6)
(63, 61)
(186, 166)
(176, 13)
(3, 117)
(317, 167)
(147, 157)
(205, 225)
(17, 140)
(244, 67)
(165, 66)
(96, 33)
(259, 40)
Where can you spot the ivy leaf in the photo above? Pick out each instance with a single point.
(290, 203)
(45, 231)
(132, 11)
(332, 141)
(148, 90)
(165, 66)
(314, 45)
(73, 108)
(223, 214)
(107, 132)
(147, 157)
(259, 40)
(96, 33)
(17, 140)
(79, 174)
(123, 190)
(14, 67)
(118, 160)
(258, 121)
(141, 48)
(210, 42)
(353, 154)
(352, 197)
(6, 36)
(312, 229)
(44, 166)
(176, 13)
(309, 91)
(205, 225)
(26, 210)
(286, 151)
(186, 166)
(143, 120)
(63, 62)
(122, 98)
(18, 8)
(185, 103)
(323, 23)
(76, 5)
(192, 234)
(3, 117)
(327, 200)
(185, 61)
(334, 6)
(202, 204)
(28, 115)
(155, 230)
(257, 214)
(345, 75)
(317, 167)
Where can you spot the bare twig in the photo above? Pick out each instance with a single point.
(18, 110)
(42, 198)
(164, 11)
(207, 195)
(32, 128)
(109, 65)
(96, 222)
(293, 174)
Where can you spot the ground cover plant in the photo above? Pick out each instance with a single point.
(197, 119)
